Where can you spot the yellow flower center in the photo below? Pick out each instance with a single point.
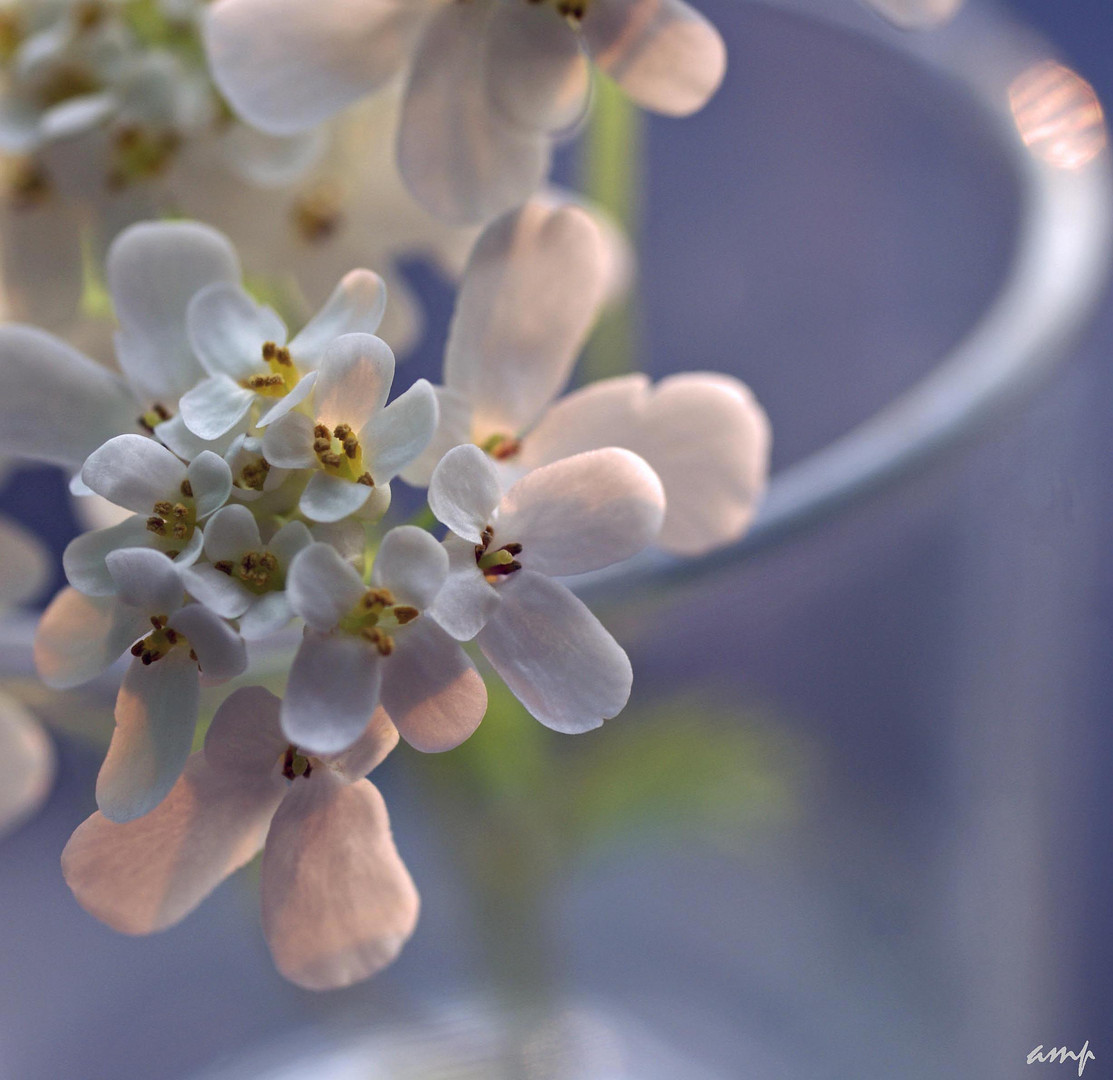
(340, 454)
(375, 616)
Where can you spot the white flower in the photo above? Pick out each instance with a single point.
(338, 903)
(577, 515)
(79, 636)
(245, 578)
(490, 83)
(365, 646)
(529, 296)
(354, 442)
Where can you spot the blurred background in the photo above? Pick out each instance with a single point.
(856, 821)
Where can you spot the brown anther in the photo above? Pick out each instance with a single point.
(282, 356)
(342, 431)
(405, 614)
(322, 446)
(161, 411)
(172, 554)
(270, 349)
(148, 657)
(513, 548)
(224, 566)
(158, 621)
(288, 763)
(380, 597)
(137, 648)
(163, 507)
(193, 657)
(187, 489)
(180, 531)
(156, 525)
(330, 459)
(508, 448)
(351, 446)
(180, 511)
(366, 480)
(171, 635)
(321, 432)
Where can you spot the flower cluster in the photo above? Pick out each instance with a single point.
(256, 466)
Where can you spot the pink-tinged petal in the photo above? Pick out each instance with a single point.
(377, 741)
(554, 655)
(24, 564)
(220, 650)
(221, 593)
(147, 874)
(464, 491)
(245, 739)
(267, 615)
(916, 14)
(531, 291)
(453, 429)
(323, 586)
(210, 479)
(79, 636)
(134, 472)
(288, 443)
(83, 559)
(465, 601)
(215, 406)
(431, 690)
(395, 436)
(354, 380)
(582, 513)
(338, 902)
(156, 712)
(330, 498)
(411, 564)
(289, 401)
(537, 74)
(457, 157)
(146, 580)
(663, 53)
(332, 692)
(356, 306)
(154, 269)
(46, 384)
(28, 757)
(230, 532)
(228, 329)
(286, 65)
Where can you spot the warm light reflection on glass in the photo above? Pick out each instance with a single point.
(1058, 115)
(917, 14)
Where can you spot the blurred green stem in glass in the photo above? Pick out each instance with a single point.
(96, 301)
(611, 176)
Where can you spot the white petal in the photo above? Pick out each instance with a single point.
(230, 532)
(554, 655)
(582, 513)
(453, 429)
(79, 636)
(663, 53)
(288, 541)
(531, 291)
(456, 156)
(245, 738)
(154, 269)
(323, 586)
(156, 712)
(538, 77)
(354, 380)
(219, 592)
(916, 14)
(83, 559)
(380, 737)
(178, 439)
(356, 306)
(464, 491)
(228, 329)
(289, 401)
(215, 406)
(332, 692)
(330, 498)
(267, 615)
(220, 651)
(288, 443)
(47, 387)
(465, 601)
(28, 757)
(431, 690)
(135, 472)
(25, 564)
(338, 903)
(147, 874)
(394, 437)
(411, 564)
(146, 580)
(210, 479)
(285, 66)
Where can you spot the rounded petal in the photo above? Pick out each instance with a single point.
(464, 491)
(210, 479)
(289, 401)
(221, 593)
(453, 429)
(154, 269)
(330, 498)
(24, 564)
(356, 306)
(84, 557)
(411, 564)
(47, 385)
(267, 615)
(215, 406)
(149, 873)
(323, 586)
(28, 757)
(457, 157)
(220, 651)
(230, 532)
(354, 380)
(554, 655)
(288, 443)
(332, 692)
(286, 65)
(380, 737)
(156, 712)
(663, 53)
(465, 601)
(135, 472)
(245, 738)
(146, 580)
(530, 294)
(228, 329)
(338, 902)
(395, 436)
(431, 690)
(582, 513)
(288, 541)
